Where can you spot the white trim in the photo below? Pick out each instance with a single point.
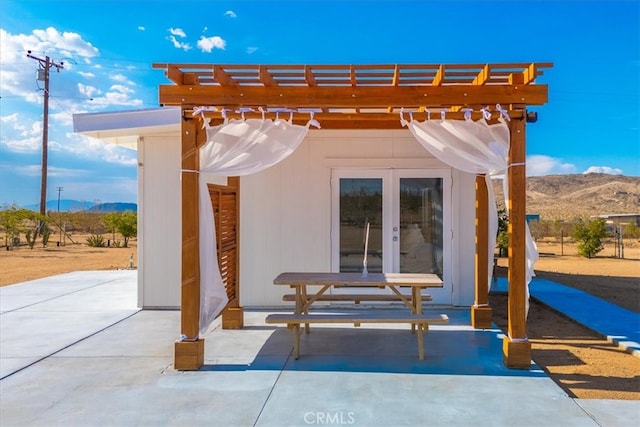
(390, 187)
(124, 127)
(384, 163)
(385, 176)
(141, 211)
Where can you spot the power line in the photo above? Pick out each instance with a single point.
(44, 66)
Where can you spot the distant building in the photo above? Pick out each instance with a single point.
(532, 217)
(620, 219)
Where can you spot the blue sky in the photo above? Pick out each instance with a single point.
(591, 122)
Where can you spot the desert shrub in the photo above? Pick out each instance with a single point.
(96, 241)
(632, 230)
(503, 233)
(31, 236)
(590, 237)
(86, 221)
(45, 232)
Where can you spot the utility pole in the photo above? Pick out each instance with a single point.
(60, 223)
(59, 190)
(43, 75)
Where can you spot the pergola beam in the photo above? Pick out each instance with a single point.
(354, 120)
(353, 97)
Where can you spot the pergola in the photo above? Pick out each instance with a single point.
(354, 97)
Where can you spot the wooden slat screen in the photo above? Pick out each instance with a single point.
(224, 200)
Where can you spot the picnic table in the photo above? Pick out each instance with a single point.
(312, 287)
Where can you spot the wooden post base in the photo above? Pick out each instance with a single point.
(233, 318)
(516, 355)
(189, 355)
(481, 317)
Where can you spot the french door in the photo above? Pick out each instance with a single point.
(408, 212)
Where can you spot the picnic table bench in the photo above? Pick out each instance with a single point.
(293, 321)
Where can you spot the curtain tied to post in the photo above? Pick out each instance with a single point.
(235, 148)
(478, 148)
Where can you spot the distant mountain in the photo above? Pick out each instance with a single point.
(67, 205)
(566, 197)
(114, 207)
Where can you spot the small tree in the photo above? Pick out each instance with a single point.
(111, 221)
(589, 237)
(127, 225)
(11, 221)
(16, 220)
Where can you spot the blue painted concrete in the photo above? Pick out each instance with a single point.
(619, 325)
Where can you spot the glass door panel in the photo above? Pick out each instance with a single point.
(360, 203)
(421, 225)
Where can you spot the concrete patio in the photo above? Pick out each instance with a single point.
(75, 351)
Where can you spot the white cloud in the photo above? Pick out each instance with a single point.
(121, 78)
(34, 130)
(30, 144)
(251, 50)
(141, 28)
(603, 169)
(29, 170)
(207, 44)
(22, 126)
(538, 165)
(177, 32)
(178, 44)
(122, 89)
(58, 172)
(17, 74)
(68, 44)
(11, 118)
(88, 91)
(63, 118)
(230, 14)
(114, 98)
(21, 135)
(114, 190)
(92, 148)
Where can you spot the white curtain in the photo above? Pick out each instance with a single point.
(478, 148)
(235, 148)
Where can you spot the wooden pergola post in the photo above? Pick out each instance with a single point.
(189, 351)
(481, 313)
(516, 347)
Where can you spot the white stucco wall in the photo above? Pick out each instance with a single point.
(159, 219)
(285, 212)
(285, 217)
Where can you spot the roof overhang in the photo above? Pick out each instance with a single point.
(125, 128)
